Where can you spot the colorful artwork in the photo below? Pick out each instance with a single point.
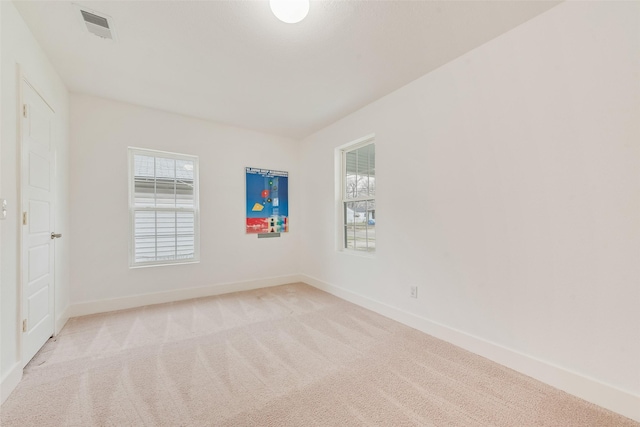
(267, 201)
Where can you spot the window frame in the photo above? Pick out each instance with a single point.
(342, 194)
(133, 151)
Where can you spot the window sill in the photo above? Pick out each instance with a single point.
(135, 267)
(360, 254)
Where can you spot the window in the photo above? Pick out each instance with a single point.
(163, 206)
(359, 196)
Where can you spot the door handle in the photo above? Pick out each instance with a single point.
(55, 236)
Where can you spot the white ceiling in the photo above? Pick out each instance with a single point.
(233, 62)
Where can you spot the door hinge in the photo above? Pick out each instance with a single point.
(24, 110)
(24, 218)
(24, 325)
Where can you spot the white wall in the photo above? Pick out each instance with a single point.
(19, 47)
(508, 191)
(101, 132)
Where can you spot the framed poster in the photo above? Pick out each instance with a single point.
(267, 201)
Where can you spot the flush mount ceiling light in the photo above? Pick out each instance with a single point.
(290, 11)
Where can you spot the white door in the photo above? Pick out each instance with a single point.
(37, 262)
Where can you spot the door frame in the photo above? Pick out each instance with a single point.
(23, 78)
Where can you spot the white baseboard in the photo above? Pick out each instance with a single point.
(102, 306)
(62, 319)
(592, 390)
(10, 381)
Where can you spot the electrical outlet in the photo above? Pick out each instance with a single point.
(413, 293)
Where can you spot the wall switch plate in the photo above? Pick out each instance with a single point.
(3, 209)
(413, 292)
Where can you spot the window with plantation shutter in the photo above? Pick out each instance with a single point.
(163, 206)
(358, 196)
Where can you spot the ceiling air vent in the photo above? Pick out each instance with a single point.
(98, 24)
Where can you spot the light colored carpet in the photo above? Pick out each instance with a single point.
(283, 356)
